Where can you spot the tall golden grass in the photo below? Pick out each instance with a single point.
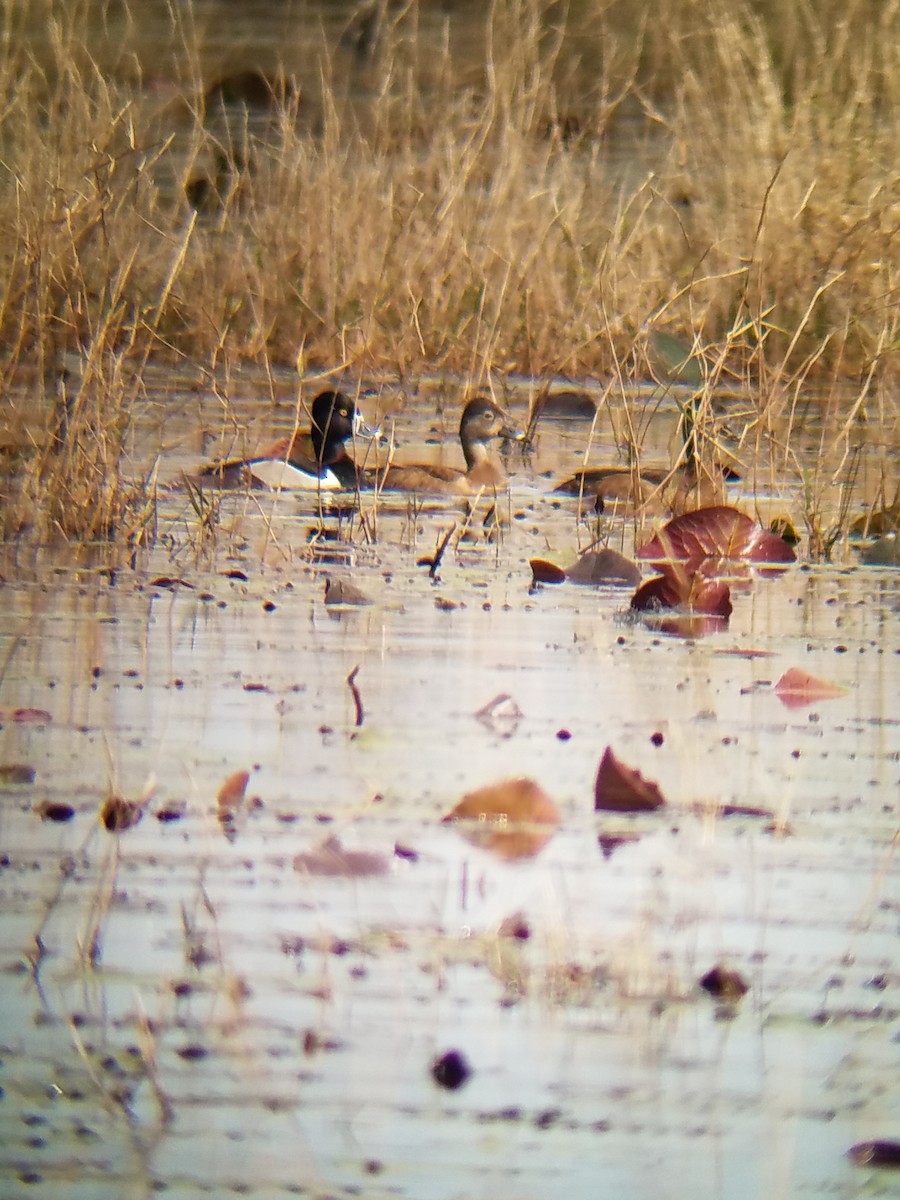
(530, 187)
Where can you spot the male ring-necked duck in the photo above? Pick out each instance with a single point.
(312, 461)
(482, 421)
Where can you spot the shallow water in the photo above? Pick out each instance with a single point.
(185, 1008)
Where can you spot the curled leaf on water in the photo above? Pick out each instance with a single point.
(231, 793)
(512, 819)
(330, 858)
(798, 689)
(543, 571)
(342, 591)
(618, 788)
(678, 586)
(719, 531)
(170, 581)
(604, 566)
(230, 801)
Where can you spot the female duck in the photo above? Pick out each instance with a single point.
(622, 491)
(313, 461)
(482, 422)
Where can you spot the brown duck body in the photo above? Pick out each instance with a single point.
(482, 422)
(624, 491)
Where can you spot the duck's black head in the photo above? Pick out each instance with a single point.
(335, 418)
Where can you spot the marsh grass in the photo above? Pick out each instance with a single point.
(429, 194)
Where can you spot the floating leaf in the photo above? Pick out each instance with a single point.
(332, 859)
(230, 801)
(604, 566)
(796, 689)
(170, 581)
(513, 819)
(618, 788)
(543, 571)
(716, 532)
(679, 587)
(342, 591)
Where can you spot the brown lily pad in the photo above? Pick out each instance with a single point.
(513, 819)
(604, 566)
(342, 591)
(618, 788)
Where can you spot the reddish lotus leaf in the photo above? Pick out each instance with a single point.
(618, 788)
(796, 689)
(716, 532)
(513, 819)
(543, 571)
(681, 587)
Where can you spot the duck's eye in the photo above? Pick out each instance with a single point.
(344, 412)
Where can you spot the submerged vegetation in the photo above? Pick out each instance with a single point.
(388, 187)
